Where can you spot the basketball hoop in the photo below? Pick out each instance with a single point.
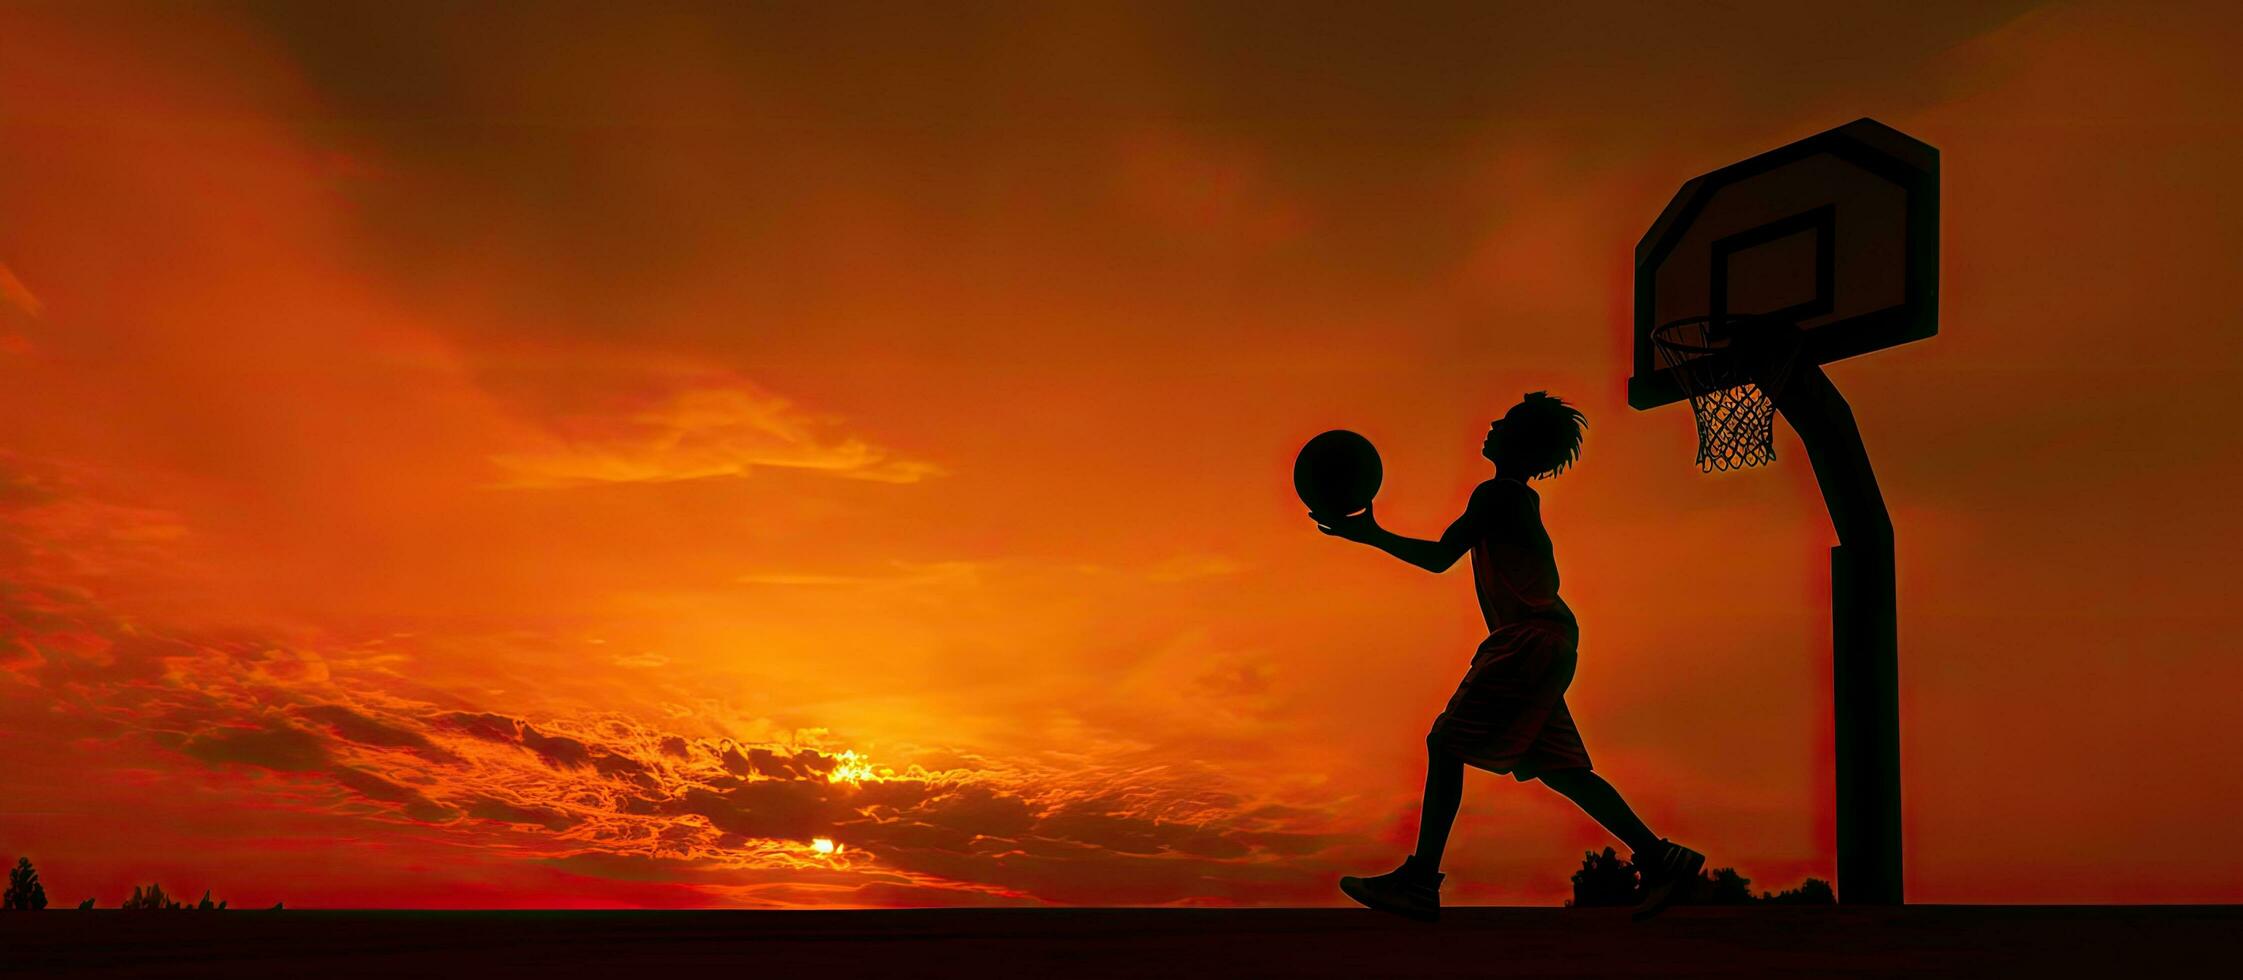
(1735, 413)
(1829, 246)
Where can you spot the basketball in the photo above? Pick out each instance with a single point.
(1337, 473)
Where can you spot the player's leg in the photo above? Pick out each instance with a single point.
(1666, 866)
(1444, 791)
(1600, 801)
(1414, 889)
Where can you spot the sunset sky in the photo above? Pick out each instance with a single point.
(587, 454)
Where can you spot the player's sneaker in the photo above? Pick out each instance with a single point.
(1406, 891)
(1666, 873)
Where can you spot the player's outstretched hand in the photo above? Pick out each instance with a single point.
(1353, 527)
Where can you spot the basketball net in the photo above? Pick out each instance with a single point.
(1735, 414)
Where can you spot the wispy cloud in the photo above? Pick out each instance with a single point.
(701, 431)
(1186, 568)
(898, 574)
(18, 295)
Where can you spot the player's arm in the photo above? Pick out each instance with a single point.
(1433, 556)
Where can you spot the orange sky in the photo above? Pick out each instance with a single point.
(515, 456)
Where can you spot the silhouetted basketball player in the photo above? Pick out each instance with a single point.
(1509, 715)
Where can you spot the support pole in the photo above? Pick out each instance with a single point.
(1865, 674)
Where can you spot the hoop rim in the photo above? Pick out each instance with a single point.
(1735, 323)
(1659, 336)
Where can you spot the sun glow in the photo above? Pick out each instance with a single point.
(849, 767)
(824, 845)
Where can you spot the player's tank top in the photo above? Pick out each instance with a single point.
(1515, 570)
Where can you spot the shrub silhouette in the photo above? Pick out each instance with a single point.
(1605, 880)
(152, 898)
(1722, 886)
(1813, 891)
(24, 890)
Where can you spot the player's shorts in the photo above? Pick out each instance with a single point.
(1509, 714)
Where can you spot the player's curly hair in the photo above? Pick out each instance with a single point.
(1543, 433)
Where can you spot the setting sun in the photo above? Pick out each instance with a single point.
(849, 767)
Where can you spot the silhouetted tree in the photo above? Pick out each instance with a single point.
(24, 890)
(1605, 880)
(152, 898)
(1813, 891)
(205, 903)
(276, 906)
(87, 904)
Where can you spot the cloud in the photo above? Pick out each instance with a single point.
(1186, 568)
(351, 726)
(411, 802)
(502, 811)
(897, 574)
(276, 746)
(697, 430)
(610, 787)
(60, 534)
(14, 293)
(353, 737)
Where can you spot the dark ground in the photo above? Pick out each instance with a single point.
(1160, 944)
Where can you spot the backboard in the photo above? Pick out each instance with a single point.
(1838, 232)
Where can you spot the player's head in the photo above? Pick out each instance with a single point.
(1538, 437)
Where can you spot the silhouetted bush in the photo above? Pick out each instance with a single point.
(1813, 891)
(152, 898)
(1605, 880)
(1721, 886)
(24, 890)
